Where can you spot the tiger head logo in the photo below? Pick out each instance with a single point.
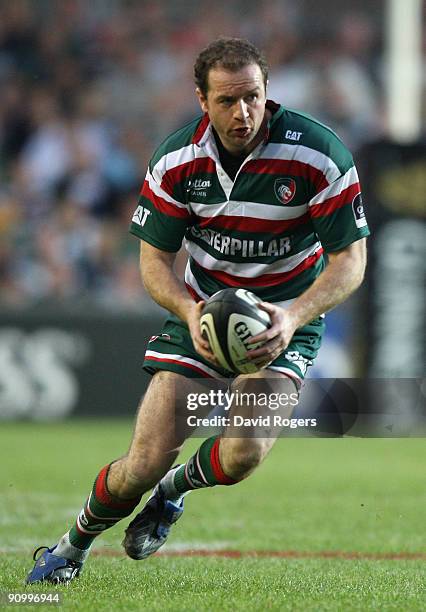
(285, 189)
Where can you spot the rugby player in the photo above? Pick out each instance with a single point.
(267, 199)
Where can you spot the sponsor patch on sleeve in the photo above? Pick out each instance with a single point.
(358, 211)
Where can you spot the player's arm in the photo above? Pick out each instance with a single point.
(342, 276)
(161, 282)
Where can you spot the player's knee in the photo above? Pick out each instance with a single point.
(164, 377)
(240, 458)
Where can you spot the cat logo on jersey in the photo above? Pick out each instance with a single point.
(285, 189)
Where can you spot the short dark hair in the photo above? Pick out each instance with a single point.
(229, 53)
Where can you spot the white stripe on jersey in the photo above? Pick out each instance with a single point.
(302, 154)
(176, 158)
(192, 282)
(342, 183)
(249, 270)
(155, 188)
(272, 150)
(183, 360)
(235, 208)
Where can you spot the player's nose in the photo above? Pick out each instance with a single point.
(241, 110)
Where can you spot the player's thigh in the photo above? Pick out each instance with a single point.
(161, 424)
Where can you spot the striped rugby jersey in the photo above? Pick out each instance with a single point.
(295, 196)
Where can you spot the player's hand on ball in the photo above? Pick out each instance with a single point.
(201, 344)
(276, 338)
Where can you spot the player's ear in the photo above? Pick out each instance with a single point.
(202, 99)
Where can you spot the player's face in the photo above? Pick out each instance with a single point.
(235, 103)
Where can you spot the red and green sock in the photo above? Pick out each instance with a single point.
(202, 470)
(103, 510)
(100, 512)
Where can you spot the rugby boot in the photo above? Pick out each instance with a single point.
(150, 528)
(50, 568)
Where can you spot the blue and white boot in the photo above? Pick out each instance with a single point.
(150, 528)
(51, 568)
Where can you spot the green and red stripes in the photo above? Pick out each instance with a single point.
(266, 280)
(164, 206)
(178, 176)
(333, 203)
(342, 191)
(251, 224)
(202, 127)
(180, 364)
(262, 231)
(203, 283)
(101, 511)
(290, 168)
(328, 226)
(203, 469)
(216, 467)
(179, 139)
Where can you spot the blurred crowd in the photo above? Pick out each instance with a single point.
(89, 89)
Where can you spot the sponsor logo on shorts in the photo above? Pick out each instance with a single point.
(162, 336)
(298, 360)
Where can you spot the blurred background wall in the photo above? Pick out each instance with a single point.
(88, 90)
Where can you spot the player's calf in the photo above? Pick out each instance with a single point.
(133, 475)
(239, 457)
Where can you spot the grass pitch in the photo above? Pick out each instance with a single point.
(323, 524)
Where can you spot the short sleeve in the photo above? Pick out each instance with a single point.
(337, 212)
(159, 219)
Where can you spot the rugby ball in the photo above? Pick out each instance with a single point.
(228, 320)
